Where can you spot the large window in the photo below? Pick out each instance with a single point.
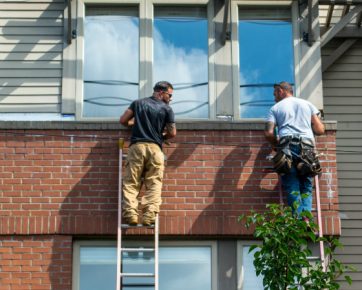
(126, 49)
(181, 56)
(265, 57)
(191, 264)
(125, 46)
(111, 60)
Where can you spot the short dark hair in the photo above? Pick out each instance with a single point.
(285, 86)
(162, 86)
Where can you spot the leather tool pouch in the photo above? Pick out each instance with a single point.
(282, 161)
(308, 163)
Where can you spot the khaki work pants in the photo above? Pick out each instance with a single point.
(144, 160)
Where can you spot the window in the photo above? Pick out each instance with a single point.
(191, 263)
(126, 48)
(266, 56)
(181, 56)
(111, 57)
(247, 279)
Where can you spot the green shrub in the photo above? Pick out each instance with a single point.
(282, 257)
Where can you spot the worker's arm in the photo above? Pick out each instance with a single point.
(170, 131)
(317, 125)
(127, 118)
(269, 134)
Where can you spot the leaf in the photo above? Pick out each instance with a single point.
(348, 279)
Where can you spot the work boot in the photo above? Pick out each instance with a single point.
(132, 220)
(148, 218)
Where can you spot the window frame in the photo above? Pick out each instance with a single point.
(112, 243)
(235, 6)
(146, 16)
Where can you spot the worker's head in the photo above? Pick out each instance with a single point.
(163, 90)
(282, 90)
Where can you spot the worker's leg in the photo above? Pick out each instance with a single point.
(306, 189)
(132, 179)
(290, 184)
(154, 167)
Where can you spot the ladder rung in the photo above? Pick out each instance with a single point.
(137, 250)
(139, 285)
(127, 226)
(131, 275)
(313, 258)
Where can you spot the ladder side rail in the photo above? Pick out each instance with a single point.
(156, 232)
(280, 190)
(319, 218)
(119, 227)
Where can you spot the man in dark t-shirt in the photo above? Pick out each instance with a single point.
(152, 121)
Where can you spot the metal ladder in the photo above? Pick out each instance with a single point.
(121, 249)
(319, 219)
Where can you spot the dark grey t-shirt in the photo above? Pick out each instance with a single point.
(151, 116)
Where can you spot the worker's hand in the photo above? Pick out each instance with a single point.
(131, 122)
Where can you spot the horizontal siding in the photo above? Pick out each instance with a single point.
(31, 47)
(25, 92)
(30, 108)
(31, 56)
(20, 73)
(25, 39)
(32, 82)
(343, 102)
(28, 64)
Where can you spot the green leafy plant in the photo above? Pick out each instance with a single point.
(283, 256)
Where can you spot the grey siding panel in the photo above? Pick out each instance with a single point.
(31, 45)
(343, 102)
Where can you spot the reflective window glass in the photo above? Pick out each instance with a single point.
(249, 279)
(266, 57)
(111, 60)
(177, 266)
(180, 38)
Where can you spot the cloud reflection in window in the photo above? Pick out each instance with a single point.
(266, 57)
(181, 57)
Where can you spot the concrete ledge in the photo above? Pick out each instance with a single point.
(189, 125)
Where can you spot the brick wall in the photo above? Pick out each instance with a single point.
(58, 184)
(41, 262)
(65, 182)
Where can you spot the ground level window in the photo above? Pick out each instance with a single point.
(247, 278)
(181, 267)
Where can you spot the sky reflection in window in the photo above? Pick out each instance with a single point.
(181, 57)
(250, 280)
(111, 62)
(177, 265)
(266, 57)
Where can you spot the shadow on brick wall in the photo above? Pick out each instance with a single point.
(243, 182)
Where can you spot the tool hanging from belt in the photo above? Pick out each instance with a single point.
(307, 162)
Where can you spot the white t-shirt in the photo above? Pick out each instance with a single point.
(293, 116)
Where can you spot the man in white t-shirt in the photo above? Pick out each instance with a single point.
(296, 121)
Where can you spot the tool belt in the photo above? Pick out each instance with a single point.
(307, 163)
(282, 161)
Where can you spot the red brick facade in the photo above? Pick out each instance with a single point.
(57, 184)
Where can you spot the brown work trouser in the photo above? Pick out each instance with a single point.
(144, 160)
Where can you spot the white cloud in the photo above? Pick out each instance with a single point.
(112, 53)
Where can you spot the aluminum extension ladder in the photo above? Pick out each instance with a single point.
(319, 219)
(120, 249)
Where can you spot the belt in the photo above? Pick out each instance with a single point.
(296, 139)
